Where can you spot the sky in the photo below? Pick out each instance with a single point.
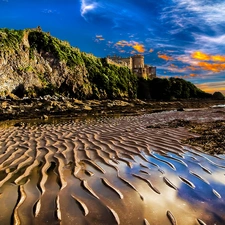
(182, 38)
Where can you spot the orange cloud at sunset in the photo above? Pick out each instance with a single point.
(123, 43)
(135, 45)
(165, 57)
(174, 66)
(191, 68)
(214, 67)
(139, 47)
(206, 57)
(205, 62)
(200, 56)
(218, 58)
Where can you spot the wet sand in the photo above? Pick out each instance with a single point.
(111, 171)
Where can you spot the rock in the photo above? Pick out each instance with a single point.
(47, 97)
(30, 72)
(68, 105)
(44, 117)
(12, 96)
(4, 105)
(78, 102)
(118, 103)
(19, 124)
(218, 96)
(87, 108)
(140, 102)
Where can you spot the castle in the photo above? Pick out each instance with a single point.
(135, 63)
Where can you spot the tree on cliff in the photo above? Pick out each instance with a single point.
(169, 89)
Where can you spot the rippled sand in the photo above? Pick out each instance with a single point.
(110, 171)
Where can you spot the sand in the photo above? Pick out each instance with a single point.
(110, 171)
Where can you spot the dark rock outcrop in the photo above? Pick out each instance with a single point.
(218, 96)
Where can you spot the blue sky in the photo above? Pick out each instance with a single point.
(182, 38)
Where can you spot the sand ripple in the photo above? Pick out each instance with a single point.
(110, 171)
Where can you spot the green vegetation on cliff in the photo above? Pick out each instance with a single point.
(10, 39)
(109, 80)
(44, 42)
(106, 81)
(38, 64)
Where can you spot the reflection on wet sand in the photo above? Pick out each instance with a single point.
(110, 171)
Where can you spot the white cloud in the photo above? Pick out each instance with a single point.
(119, 15)
(209, 44)
(50, 11)
(220, 39)
(186, 13)
(87, 6)
(187, 59)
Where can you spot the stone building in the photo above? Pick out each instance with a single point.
(135, 63)
(119, 61)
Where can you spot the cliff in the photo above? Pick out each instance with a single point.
(33, 63)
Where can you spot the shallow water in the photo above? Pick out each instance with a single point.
(110, 171)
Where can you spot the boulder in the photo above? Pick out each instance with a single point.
(218, 96)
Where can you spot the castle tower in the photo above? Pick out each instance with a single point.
(138, 61)
(138, 66)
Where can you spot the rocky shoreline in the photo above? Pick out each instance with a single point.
(52, 106)
(210, 134)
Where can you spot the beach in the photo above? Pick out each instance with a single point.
(134, 170)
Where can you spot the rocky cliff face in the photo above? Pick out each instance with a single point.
(33, 63)
(27, 70)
